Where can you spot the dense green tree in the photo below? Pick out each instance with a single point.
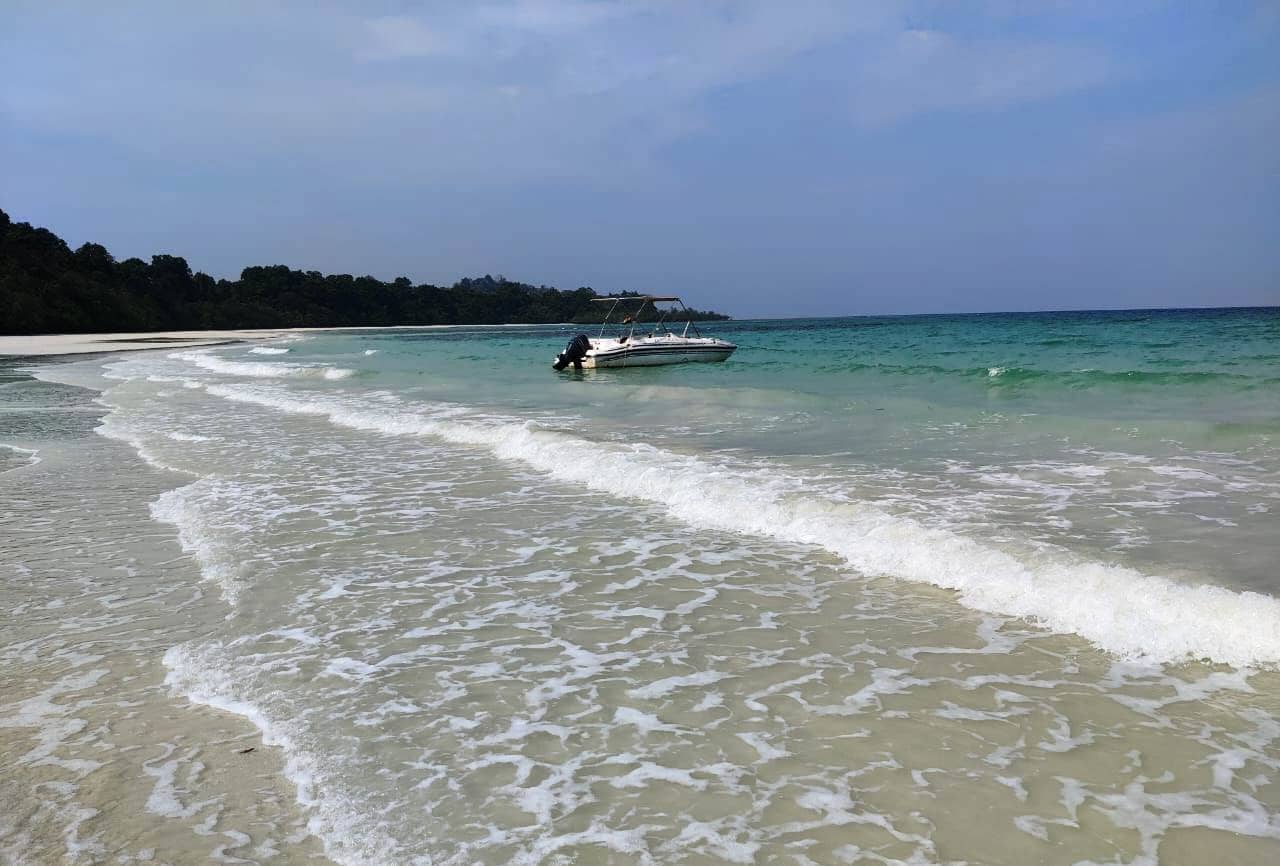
(47, 288)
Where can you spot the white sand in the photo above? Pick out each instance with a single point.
(74, 344)
(71, 344)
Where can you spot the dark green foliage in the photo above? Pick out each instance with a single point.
(46, 288)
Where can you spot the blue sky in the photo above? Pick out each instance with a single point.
(764, 158)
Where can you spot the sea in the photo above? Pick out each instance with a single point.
(980, 589)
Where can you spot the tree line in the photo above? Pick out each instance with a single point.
(46, 287)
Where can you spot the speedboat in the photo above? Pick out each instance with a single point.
(661, 345)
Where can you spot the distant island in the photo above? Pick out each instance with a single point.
(47, 288)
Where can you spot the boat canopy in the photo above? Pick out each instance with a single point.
(615, 298)
(635, 312)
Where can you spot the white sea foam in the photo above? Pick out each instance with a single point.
(1121, 610)
(114, 426)
(261, 369)
(664, 687)
(767, 750)
(1184, 473)
(31, 454)
(349, 837)
(650, 772)
(267, 350)
(646, 723)
(186, 437)
(164, 799)
(219, 562)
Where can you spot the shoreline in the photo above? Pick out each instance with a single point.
(261, 581)
(86, 344)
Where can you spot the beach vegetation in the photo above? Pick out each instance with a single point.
(46, 287)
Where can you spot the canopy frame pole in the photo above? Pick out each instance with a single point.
(645, 300)
(608, 315)
(688, 322)
(660, 322)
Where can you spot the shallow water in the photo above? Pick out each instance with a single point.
(995, 589)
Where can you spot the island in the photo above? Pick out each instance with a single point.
(48, 288)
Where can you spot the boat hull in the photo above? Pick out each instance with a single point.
(653, 356)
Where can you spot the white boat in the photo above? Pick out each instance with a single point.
(630, 349)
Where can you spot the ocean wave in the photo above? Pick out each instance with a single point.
(1088, 378)
(219, 561)
(997, 374)
(267, 350)
(178, 436)
(261, 369)
(115, 426)
(1121, 610)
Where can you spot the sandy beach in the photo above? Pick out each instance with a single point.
(83, 344)
(78, 344)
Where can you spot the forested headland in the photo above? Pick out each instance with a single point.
(47, 288)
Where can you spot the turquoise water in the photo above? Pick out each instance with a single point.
(1143, 437)
(991, 589)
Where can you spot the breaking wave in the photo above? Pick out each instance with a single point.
(262, 369)
(1121, 610)
(189, 512)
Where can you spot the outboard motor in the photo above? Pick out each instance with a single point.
(573, 353)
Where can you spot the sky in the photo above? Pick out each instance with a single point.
(761, 158)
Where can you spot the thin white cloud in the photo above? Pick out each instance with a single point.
(920, 71)
(392, 37)
(492, 91)
(550, 18)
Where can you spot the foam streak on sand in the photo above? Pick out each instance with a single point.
(349, 837)
(262, 369)
(29, 455)
(220, 563)
(1122, 611)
